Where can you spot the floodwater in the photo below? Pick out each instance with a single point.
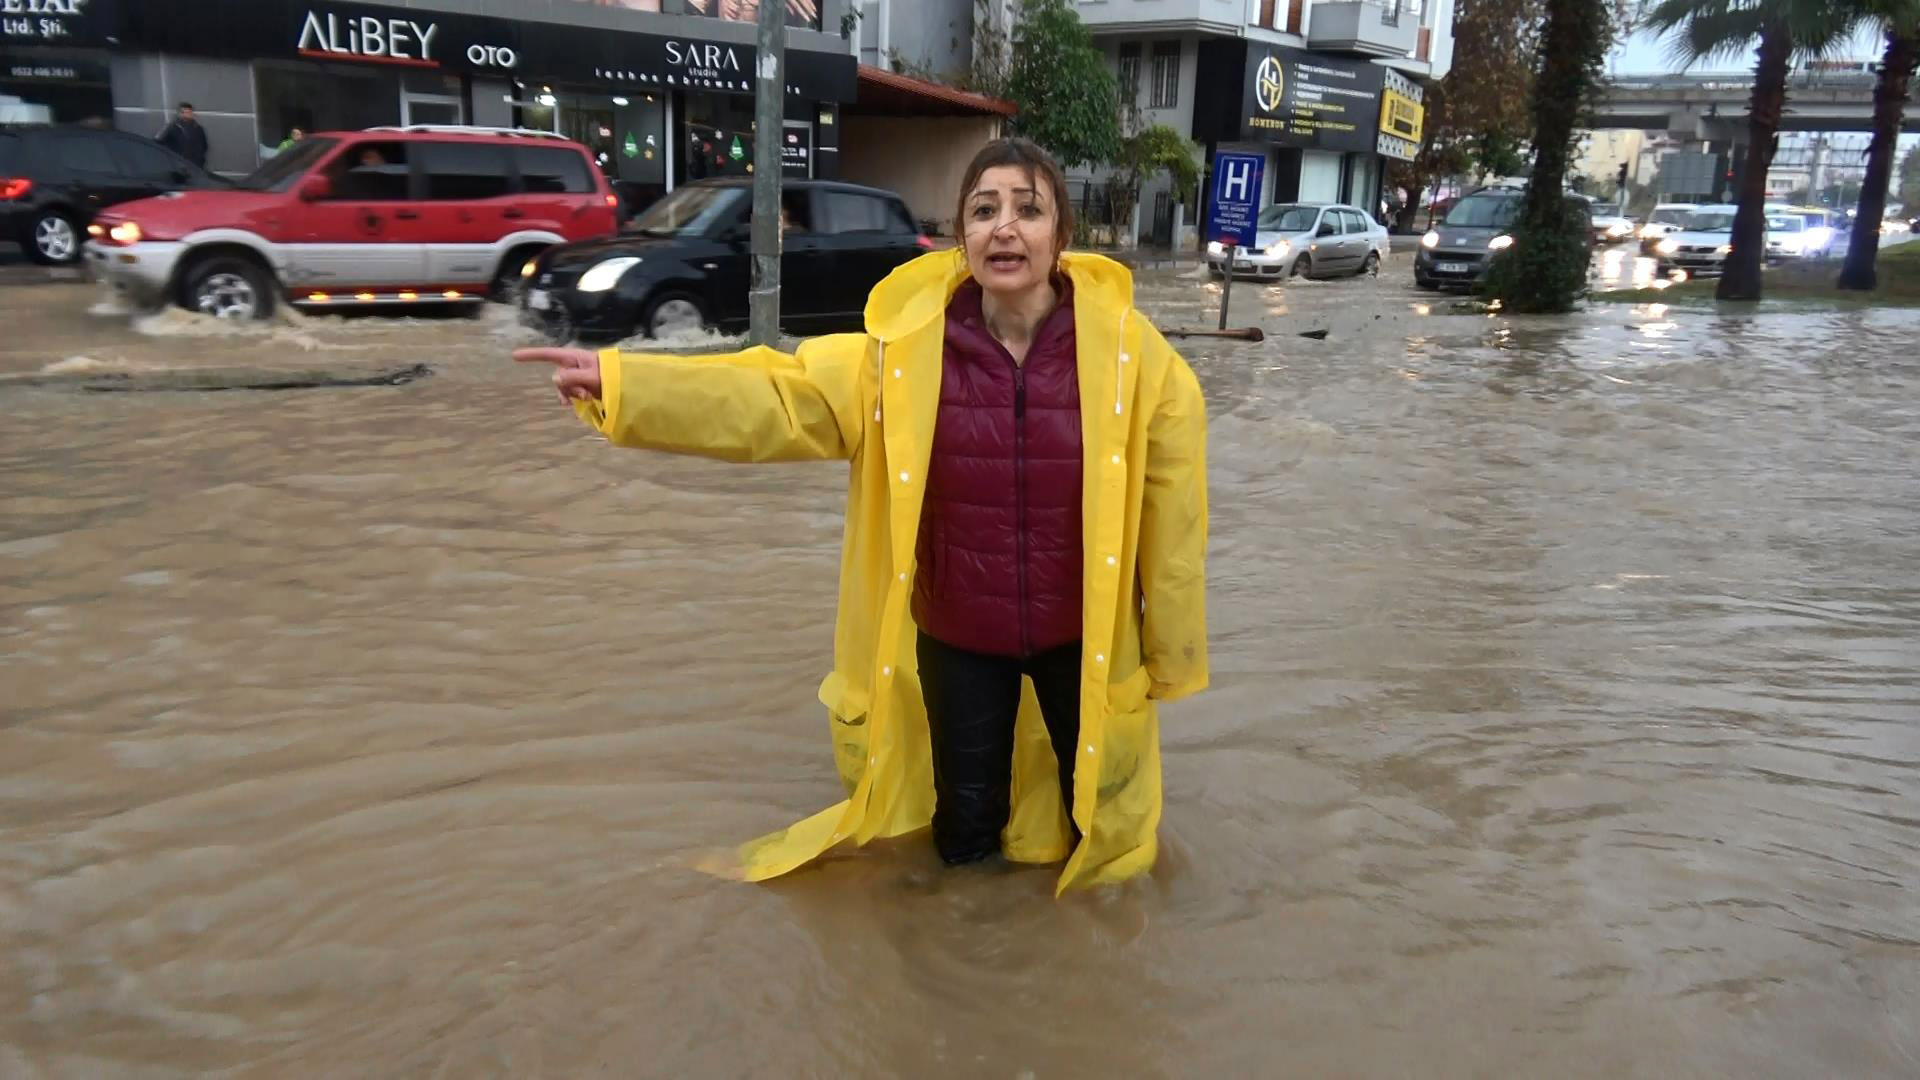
(1566, 721)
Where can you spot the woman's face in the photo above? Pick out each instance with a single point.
(1009, 230)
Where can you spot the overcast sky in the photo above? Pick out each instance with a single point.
(1645, 54)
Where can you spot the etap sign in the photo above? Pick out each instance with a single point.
(53, 22)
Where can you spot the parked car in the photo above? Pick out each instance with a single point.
(1702, 244)
(53, 180)
(1609, 227)
(393, 216)
(1307, 240)
(1666, 219)
(685, 263)
(1461, 250)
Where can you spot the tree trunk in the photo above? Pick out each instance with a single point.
(1741, 280)
(1889, 102)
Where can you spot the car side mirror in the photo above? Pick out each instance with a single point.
(1326, 230)
(315, 188)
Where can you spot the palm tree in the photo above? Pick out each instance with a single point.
(1901, 19)
(1724, 28)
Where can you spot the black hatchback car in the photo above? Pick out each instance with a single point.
(1462, 248)
(54, 179)
(685, 263)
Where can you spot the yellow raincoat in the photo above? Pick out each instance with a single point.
(872, 399)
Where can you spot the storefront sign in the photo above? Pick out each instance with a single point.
(796, 150)
(1298, 98)
(328, 36)
(356, 32)
(53, 22)
(55, 71)
(1402, 116)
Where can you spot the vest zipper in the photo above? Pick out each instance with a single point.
(1020, 498)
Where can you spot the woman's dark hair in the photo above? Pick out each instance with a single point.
(1021, 154)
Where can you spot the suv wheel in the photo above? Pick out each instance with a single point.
(676, 313)
(228, 287)
(53, 239)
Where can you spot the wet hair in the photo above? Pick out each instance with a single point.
(186, 104)
(1021, 154)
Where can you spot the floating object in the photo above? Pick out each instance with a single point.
(211, 379)
(1245, 333)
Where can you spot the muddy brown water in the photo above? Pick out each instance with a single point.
(1566, 721)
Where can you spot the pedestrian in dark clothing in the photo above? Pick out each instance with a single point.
(185, 136)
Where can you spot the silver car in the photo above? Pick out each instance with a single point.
(1307, 240)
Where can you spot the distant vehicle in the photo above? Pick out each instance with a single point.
(1666, 219)
(685, 263)
(386, 216)
(1790, 237)
(1307, 240)
(1461, 250)
(1609, 227)
(53, 180)
(1824, 231)
(1702, 244)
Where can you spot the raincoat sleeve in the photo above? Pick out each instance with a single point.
(755, 405)
(1173, 538)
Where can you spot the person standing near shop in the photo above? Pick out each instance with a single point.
(185, 136)
(1028, 502)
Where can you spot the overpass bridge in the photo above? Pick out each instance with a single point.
(1713, 108)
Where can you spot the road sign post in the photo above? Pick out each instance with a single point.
(1234, 210)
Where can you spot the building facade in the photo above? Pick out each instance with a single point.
(1328, 92)
(660, 90)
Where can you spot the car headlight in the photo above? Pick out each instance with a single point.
(1667, 246)
(1500, 243)
(605, 274)
(1619, 229)
(527, 268)
(1648, 232)
(1431, 240)
(1215, 247)
(126, 232)
(1724, 249)
(1279, 248)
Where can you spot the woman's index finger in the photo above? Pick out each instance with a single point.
(558, 357)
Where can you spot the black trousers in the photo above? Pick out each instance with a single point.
(972, 699)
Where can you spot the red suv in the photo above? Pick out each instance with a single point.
(383, 216)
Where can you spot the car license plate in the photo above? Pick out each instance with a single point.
(1453, 268)
(538, 300)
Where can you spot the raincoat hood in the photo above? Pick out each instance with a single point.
(872, 400)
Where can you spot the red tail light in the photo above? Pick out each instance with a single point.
(925, 242)
(12, 187)
(613, 200)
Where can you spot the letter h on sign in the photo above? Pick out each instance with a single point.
(1234, 208)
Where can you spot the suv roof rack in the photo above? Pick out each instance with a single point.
(471, 129)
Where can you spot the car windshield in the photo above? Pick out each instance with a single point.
(690, 211)
(1785, 223)
(1488, 212)
(1670, 217)
(1710, 221)
(1288, 218)
(279, 172)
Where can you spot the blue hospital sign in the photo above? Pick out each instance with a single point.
(1236, 197)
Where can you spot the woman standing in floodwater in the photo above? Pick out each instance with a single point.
(1028, 498)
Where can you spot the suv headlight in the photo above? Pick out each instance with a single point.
(1667, 246)
(1500, 243)
(1431, 240)
(1279, 248)
(605, 274)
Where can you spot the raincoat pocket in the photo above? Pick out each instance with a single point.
(847, 707)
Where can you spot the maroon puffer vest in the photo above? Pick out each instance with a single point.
(999, 547)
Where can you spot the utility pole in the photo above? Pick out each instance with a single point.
(769, 109)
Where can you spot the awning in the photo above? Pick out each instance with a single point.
(889, 93)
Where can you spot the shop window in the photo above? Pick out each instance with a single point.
(851, 212)
(1166, 75)
(465, 171)
(370, 172)
(553, 170)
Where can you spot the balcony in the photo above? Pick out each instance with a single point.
(1363, 29)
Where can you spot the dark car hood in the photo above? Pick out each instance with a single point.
(584, 253)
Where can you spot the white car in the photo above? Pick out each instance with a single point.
(1609, 227)
(1666, 219)
(1307, 240)
(1702, 244)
